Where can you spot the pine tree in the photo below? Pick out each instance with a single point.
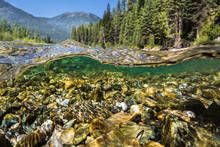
(74, 33)
(123, 6)
(107, 26)
(116, 22)
(36, 34)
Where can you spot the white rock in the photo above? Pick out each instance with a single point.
(136, 109)
(124, 106)
(190, 114)
(47, 126)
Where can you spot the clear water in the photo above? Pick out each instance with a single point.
(88, 66)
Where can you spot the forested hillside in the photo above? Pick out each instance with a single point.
(10, 32)
(150, 23)
(59, 27)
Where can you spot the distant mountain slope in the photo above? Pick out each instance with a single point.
(67, 20)
(59, 27)
(13, 14)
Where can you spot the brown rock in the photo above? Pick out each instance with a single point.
(67, 136)
(153, 144)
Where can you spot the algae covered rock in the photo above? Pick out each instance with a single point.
(10, 119)
(177, 132)
(81, 133)
(38, 137)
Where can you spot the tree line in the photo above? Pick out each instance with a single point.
(150, 23)
(10, 32)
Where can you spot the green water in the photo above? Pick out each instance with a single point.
(86, 65)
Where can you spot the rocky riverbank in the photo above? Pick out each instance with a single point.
(110, 109)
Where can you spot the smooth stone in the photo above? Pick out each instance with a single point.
(143, 133)
(190, 114)
(153, 144)
(54, 139)
(114, 139)
(69, 124)
(68, 83)
(67, 136)
(136, 109)
(149, 102)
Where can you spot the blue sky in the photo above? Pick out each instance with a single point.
(50, 8)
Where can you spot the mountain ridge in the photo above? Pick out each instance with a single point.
(59, 28)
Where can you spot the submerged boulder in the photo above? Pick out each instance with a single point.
(177, 132)
(38, 137)
(3, 141)
(212, 113)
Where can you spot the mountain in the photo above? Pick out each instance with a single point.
(13, 14)
(59, 27)
(67, 20)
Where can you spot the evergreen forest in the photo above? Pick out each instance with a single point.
(154, 23)
(10, 32)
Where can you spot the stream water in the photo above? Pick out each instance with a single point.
(88, 66)
(80, 101)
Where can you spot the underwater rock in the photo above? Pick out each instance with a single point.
(54, 140)
(38, 137)
(87, 111)
(143, 133)
(2, 92)
(163, 114)
(146, 113)
(170, 93)
(10, 119)
(193, 105)
(153, 144)
(190, 114)
(128, 132)
(67, 136)
(3, 141)
(68, 83)
(213, 111)
(82, 131)
(209, 93)
(114, 138)
(149, 102)
(69, 124)
(97, 127)
(150, 92)
(122, 105)
(177, 132)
